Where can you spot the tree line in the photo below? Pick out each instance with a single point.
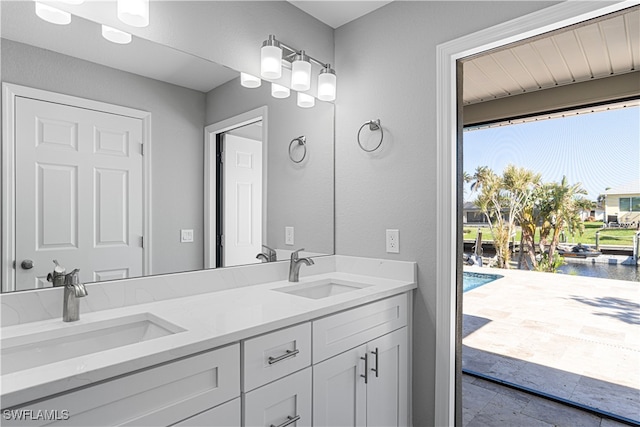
(520, 197)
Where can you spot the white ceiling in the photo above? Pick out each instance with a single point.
(336, 13)
(591, 50)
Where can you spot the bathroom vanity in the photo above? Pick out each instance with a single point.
(330, 350)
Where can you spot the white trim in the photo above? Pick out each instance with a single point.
(9, 93)
(536, 23)
(210, 133)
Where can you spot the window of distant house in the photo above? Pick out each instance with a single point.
(630, 204)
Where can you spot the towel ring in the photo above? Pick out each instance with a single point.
(301, 140)
(373, 126)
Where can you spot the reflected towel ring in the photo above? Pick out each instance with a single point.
(373, 126)
(301, 140)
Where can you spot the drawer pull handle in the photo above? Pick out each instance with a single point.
(290, 420)
(366, 368)
(289, 353)
(376, 364)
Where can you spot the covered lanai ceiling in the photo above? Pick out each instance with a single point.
(595, 49)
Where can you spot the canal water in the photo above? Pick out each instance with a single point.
(606, 271)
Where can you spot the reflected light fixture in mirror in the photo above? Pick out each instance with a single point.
(134, 12)
(52, 15)
(116, 36)
(305, 101)
(301, 72)
(247, 80)
(271, 59)
(278, 91)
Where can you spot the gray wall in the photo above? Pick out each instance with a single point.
(386, 62)
(298, 195)
(177, 123)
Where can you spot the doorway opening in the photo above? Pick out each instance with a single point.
(449, 260)
(235, 189)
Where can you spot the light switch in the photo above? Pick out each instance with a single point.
(186, 236)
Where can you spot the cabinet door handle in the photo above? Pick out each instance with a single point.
(376, 368)
(366, 368)
(288, 354)
(290, 420)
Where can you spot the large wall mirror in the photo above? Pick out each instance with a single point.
(72, 192)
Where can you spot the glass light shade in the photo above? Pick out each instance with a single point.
(53, 15)
(306, 101)
(250, 81)
(116, 36)
(278, 91)
(134, 12)
(300, 75)
(327, 87)
(271, 62)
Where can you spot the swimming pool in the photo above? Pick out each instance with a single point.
(474, 280)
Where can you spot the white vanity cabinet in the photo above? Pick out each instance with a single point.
(366, 385)
(158, 396)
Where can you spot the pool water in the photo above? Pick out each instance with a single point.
(474, 280)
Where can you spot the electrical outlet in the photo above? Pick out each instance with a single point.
(186, 236)
(288, 236)
(393, 241)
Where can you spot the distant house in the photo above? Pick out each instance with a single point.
(622, 205)
(471, 214)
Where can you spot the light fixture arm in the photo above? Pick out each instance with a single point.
(292, 52)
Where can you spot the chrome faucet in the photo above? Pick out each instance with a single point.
(296, 263)
(269, 255)
(73, 290)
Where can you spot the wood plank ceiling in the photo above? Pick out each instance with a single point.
(594, 49)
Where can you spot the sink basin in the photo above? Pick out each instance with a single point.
(42, 348)
(322, 288)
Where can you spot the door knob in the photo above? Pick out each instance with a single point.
(27, 264)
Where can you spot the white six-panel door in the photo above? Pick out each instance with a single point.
(242, 200)
(79, 175)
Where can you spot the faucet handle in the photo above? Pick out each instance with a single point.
(294, 254)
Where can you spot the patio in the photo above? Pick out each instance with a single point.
(573, 337)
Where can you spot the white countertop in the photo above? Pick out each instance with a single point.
(210, 320)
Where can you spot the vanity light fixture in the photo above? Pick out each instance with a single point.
(134, 12)
(271, 59)
(116, 36)
(278, 91)
(53, 15)
(247, 80)
(327, 84)
(271, 56)
(301, 72)
(305, 101)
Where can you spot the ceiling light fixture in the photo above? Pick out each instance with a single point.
(134, 12)
(116, 36)
(271, 57)
(250, 81)
(53, 15)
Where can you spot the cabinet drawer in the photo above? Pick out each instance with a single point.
(156, 396)
(225, 415)
(275, 355)
(334, 334)
(283, 402)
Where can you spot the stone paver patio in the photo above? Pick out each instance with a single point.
(574, 337)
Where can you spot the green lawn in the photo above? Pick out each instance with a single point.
(608, 236)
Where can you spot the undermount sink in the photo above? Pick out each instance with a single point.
(42, 348)
(321, 288)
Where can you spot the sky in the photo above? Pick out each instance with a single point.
(599, 149)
